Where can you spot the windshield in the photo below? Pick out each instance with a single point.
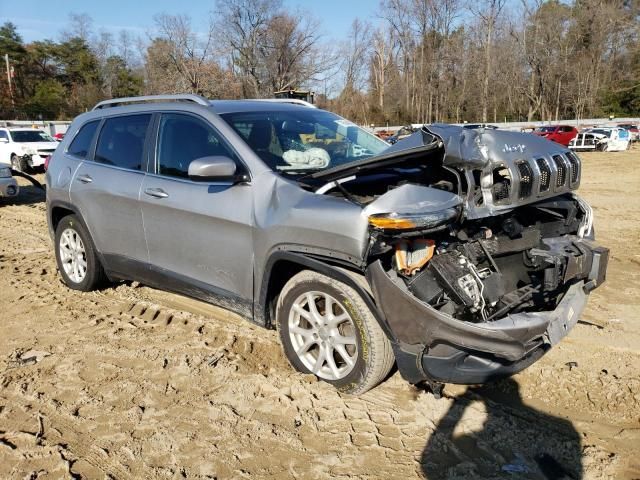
(546, 129)
(27, 136)
(601, 131)
(304, 140)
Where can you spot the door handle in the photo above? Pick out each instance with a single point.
(85, 178)
(156, 192)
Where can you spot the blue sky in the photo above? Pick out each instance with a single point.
(40, 19)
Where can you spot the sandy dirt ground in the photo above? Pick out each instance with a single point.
(131, 382)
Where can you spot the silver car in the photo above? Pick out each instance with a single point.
(8, 185)
(460, 255)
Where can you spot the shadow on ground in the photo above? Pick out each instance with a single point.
(29, 194)
(488, 432)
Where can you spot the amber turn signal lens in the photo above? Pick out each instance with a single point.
(391, 223)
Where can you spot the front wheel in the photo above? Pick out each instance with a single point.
(19, 164)
(77, 260)
(327, 329)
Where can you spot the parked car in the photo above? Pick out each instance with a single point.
(8, 185)
(634, 133)
(586, 141)
(460, 255)
(609, 139)
(25, 148)
(561, 134)
(403, 133)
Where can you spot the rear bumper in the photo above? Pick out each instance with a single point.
(431, 345)
(9, 187)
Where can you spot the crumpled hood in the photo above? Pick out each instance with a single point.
(474, 148)
(466, 148)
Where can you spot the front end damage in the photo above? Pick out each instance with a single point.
(480, 256)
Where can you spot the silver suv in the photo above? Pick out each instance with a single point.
(459, 255)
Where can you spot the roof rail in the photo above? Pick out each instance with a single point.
(285, 100)
(187, 97)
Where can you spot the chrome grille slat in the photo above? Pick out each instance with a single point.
(561, 167)
(545, 174)
(526, 179)
(574, 163)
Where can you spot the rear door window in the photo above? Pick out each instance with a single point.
(82, 142)
(121, 141)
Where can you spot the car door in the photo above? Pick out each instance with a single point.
(567, 135)
(106, 189)
(5, 156)
(199, 234)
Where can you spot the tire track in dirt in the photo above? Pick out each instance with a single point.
(173, 388)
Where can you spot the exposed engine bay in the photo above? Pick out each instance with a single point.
(474, 225)
(481, 270)
(479, 254)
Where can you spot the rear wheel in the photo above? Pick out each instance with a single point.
(78, 263)
(327, 329)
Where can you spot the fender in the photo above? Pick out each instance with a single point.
(326, 266)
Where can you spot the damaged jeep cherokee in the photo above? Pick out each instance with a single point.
(460, 255)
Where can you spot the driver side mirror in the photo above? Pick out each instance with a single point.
(4, 140)
(215, 168)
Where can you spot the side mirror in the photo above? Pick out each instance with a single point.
(213, 168)
(4, 140)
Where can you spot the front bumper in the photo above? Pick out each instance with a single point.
(35, 160)
(9, 187)
(430, 345)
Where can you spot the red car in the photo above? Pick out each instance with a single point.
(561, 134)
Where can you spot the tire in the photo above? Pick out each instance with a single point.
(72, 241)
(19, 164)
(350, 331)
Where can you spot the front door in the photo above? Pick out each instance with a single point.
(198, 233)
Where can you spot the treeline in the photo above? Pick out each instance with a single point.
(419, 61)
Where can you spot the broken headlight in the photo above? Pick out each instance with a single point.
(413, 221)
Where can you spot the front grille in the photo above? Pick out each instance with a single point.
(574, 162)
(545, 174)
(561, 178)
(526, 179)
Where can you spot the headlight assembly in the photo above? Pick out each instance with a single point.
(412, 221)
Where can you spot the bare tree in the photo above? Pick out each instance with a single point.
(488, 11)
(242, 27)
(289, 45)
(188, 53)
(80, 26)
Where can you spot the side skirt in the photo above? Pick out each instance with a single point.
(119, 267)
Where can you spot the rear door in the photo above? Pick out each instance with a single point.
(198, 233)
(106, 189)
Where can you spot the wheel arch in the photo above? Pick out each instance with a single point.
(282, 265)
(59, 210)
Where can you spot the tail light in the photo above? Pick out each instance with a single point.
(47, 159)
